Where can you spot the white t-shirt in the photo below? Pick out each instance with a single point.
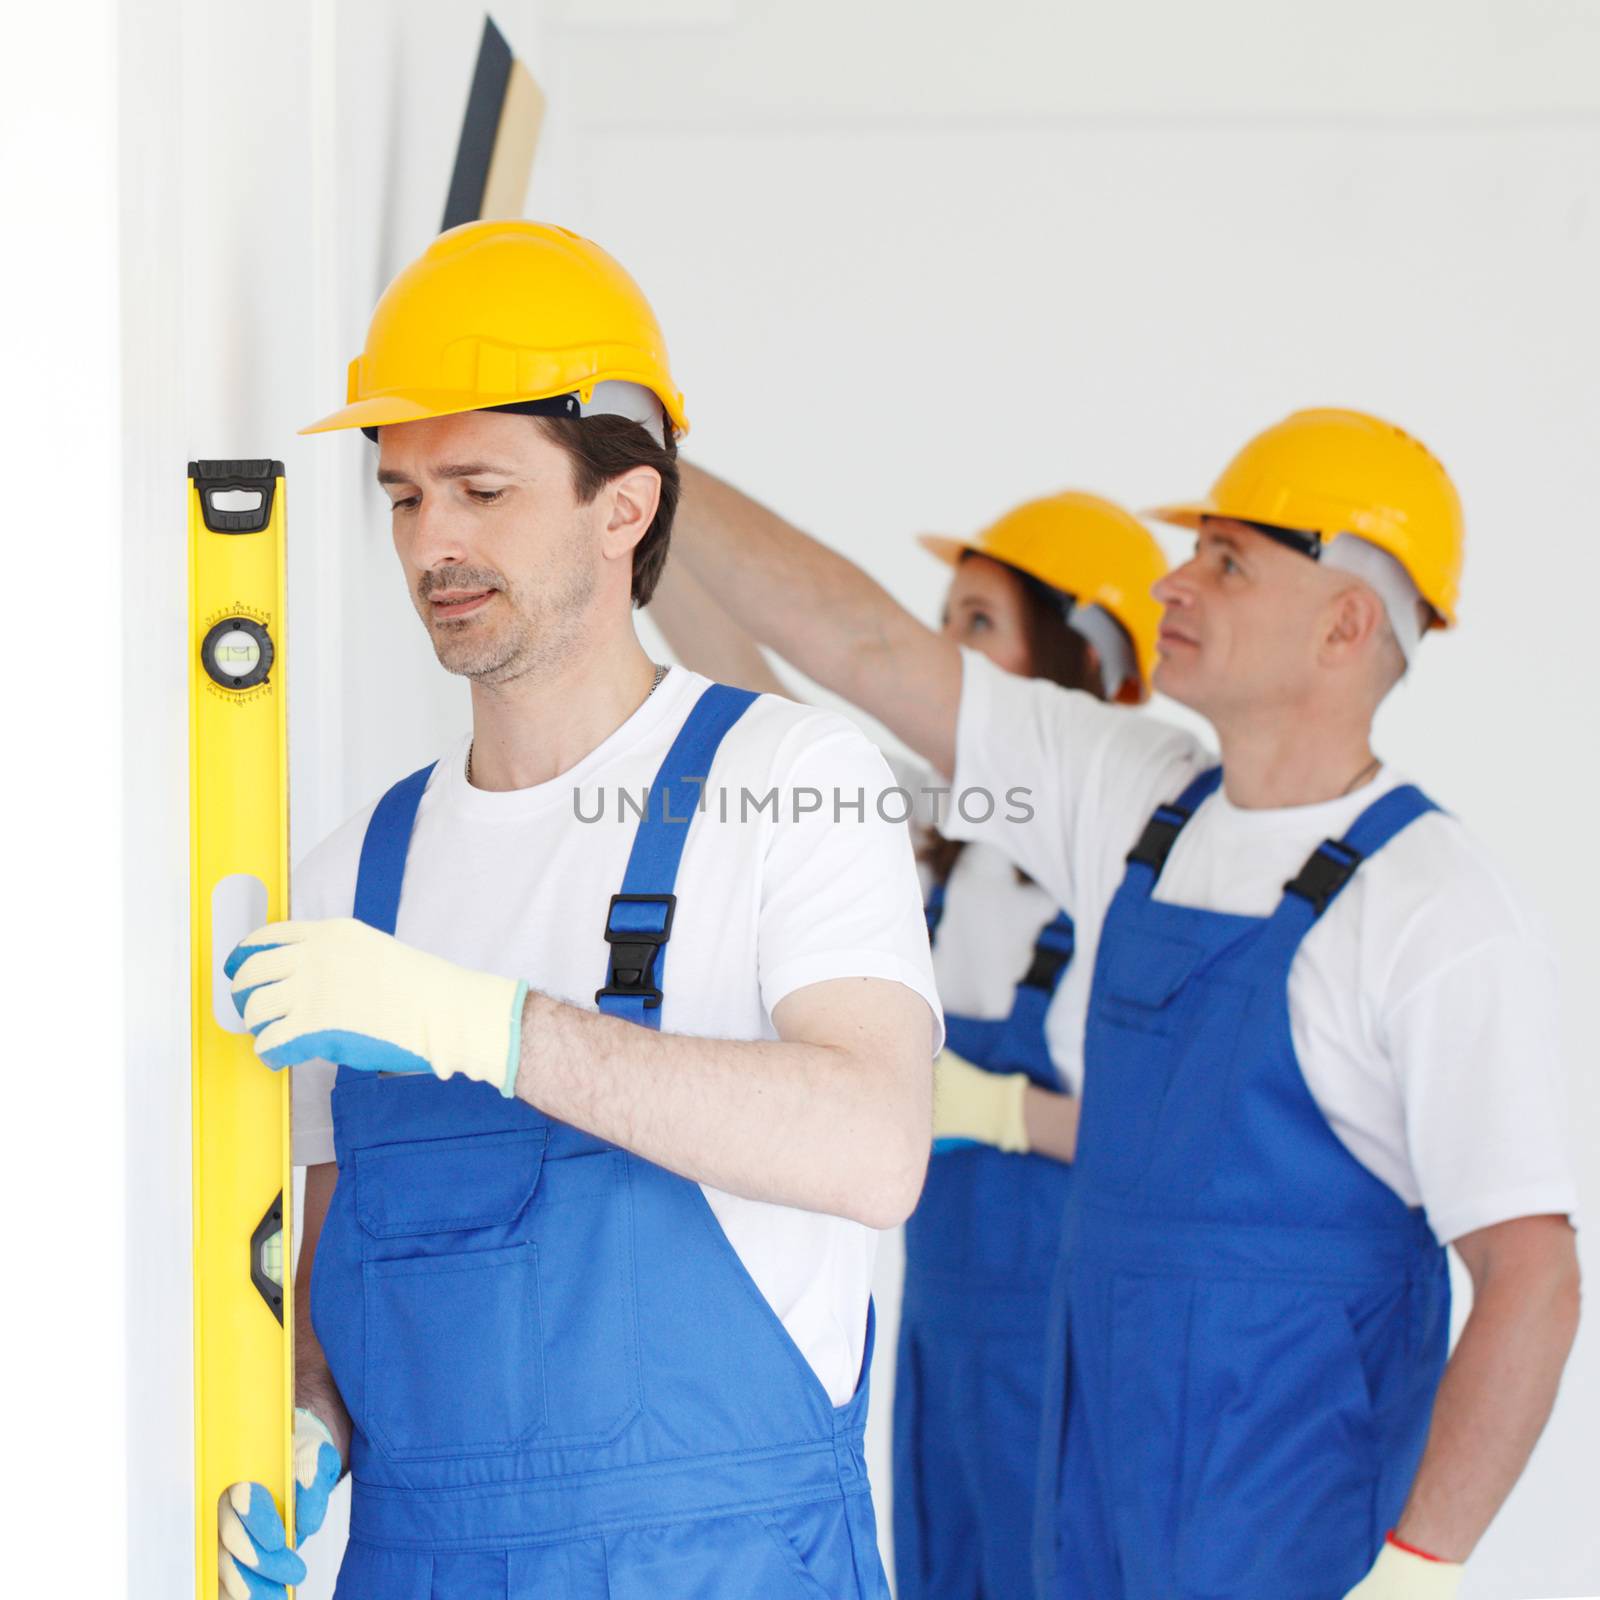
(1423, 1001)
(992, 917)
(517, 884)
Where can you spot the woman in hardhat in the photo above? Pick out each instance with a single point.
(1058, 589)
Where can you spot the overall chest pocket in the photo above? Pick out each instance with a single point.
(1158, 1058)
(499, 1296)
(1137, 982)
(453, 1357)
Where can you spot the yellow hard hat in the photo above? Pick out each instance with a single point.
(1328, 472)
(493, 313)
(1086, 547)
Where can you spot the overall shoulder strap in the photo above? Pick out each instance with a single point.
(1334, 862)
(1149, 855)
(1052, 955)
(383, 851)
(383, 855)
(933, 910)
(1022, 1039)
(639, 920)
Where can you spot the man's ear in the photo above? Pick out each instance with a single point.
(629, 502)
(1353, 618)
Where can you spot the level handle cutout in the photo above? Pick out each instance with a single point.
(236, 499)
(238, 907)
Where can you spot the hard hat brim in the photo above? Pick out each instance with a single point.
(1189, 515)
(385, 410)
(1185, 514)
(948, 550)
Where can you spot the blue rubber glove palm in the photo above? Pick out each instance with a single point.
(342, 991)
(254, 1561)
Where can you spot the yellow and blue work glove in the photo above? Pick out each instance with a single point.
(971, 1106)
(345, 992)
(254, 1561)
(1401, 1573)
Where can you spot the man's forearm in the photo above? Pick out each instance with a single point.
(782, 586)
(820, 1127)
(820, 612)
(314, 1387)
(1494, 1401)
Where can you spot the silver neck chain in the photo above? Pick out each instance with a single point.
(655, 683)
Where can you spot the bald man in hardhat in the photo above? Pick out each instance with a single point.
(1320, 1042)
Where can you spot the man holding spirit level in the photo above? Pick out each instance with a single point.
(588, 1296)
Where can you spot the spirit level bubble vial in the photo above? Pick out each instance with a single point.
(239, 844)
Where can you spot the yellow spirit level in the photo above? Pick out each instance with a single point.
(239, 841)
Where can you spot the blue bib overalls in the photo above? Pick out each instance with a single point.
(981, 1251)
(1250, 1326)
(564, 1382)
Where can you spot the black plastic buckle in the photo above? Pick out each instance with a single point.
(1330, 867)
(1160, 834)
(631, 974)
(1044, 971)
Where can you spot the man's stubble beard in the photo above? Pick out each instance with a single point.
(535, 637)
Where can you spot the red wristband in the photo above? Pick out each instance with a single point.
(1411, 1550)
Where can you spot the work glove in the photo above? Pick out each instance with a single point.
(1400, 1573)
(971, 1106)
(347, 993)
(254, 1561)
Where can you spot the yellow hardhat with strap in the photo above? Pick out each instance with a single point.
(502, 313)
(1087, 548)
(1329, 472)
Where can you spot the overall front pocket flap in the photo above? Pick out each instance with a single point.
(447, 1185)
(1146, 972)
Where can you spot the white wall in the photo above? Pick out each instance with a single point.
(274, 174)
(62, 947)
(916, 261)
(919, 261)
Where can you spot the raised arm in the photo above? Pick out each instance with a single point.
(705, 638)
(821, 612)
